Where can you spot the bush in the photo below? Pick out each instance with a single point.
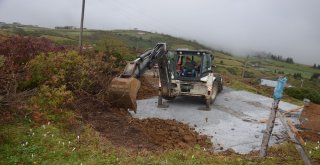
(83, 75)
(56, 69)
(301, 93)
(51, 99)
(17, 52)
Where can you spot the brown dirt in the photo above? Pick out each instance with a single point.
(152, 134)
(310, 121)
(148, 87)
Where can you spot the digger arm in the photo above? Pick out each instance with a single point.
(124, 89)
(145, 61)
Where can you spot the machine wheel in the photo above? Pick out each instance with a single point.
(220, 83)
(215, 91)
(169, 97)
(214, 94)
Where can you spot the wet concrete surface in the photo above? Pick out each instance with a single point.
(235, 120)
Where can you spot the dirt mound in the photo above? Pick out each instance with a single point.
(149, 87)
(170, 134)
(310, 122)
(149, 134)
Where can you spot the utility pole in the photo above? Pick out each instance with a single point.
(81, 27)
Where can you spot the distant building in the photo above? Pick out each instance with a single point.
(141, 33)
(65, 27)
(269, 83)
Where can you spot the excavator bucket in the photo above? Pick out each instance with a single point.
(123, 92)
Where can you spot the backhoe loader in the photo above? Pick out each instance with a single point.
(182, 72)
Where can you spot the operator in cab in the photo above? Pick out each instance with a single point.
(189, 69)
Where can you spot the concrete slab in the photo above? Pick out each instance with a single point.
(233, 121)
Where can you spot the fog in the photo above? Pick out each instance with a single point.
(288, 27)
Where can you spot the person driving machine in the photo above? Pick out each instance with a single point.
(189, 69)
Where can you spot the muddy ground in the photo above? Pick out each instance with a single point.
(310, 123)
(152, 134)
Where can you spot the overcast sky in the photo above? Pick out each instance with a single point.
(290, 28)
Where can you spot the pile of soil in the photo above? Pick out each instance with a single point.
(310, 122)
(170, 134)
(151, 134)
(149, 87)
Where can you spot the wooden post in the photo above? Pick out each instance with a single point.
(277, 95)
(268, 131)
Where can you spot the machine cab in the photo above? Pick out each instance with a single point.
(190, 64)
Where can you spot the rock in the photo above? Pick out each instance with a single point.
(256, 136)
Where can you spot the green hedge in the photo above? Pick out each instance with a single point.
(301, 93)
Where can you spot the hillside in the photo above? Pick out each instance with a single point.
(55, 103)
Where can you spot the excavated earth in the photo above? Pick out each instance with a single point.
(152, 134)
(310, 123)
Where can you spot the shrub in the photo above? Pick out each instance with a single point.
(51, 99)
(83, 75)
(17, 51)
(56, 69)
(301, 93)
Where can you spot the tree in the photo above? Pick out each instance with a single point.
(315, 76)
(289, 60)
(315, 66)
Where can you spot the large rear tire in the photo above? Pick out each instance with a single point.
(215, 91)
(220, 83)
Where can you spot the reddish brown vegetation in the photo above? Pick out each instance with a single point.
(18, 50)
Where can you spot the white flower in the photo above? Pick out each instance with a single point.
(69, 142)
(32, 133)
(49, 123)
(44, 126)
(192, 156)
(78, 137)
(32, 156)
(73, 149)
(310, 152)
(52, 135)
(63, 143)
(45, 135)
(59, 142)
(26, 143)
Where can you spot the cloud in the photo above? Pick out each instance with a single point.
(289, 27)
